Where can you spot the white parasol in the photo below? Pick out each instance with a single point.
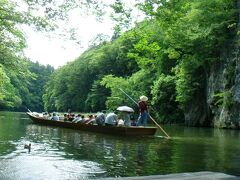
(125, 109)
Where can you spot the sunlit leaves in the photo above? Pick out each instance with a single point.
(187, 82)
(146, 53)
(172, 53)
(164, 99)
(8, 94)
(135, 86)
(114, 83)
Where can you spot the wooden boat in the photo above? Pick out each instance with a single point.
(115, 130)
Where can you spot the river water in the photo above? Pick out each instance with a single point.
(59, 153)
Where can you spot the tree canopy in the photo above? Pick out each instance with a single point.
(18, 80)
(166, 56)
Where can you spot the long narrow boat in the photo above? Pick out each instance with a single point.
(115, 130)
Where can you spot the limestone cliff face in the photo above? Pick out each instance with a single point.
(218, 105)
(224, 89)
(224, 86)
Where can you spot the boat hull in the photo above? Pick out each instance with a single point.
(114, 130)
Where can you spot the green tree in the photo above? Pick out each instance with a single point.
(8, 94)
(164, 100)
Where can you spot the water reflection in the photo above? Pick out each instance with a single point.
(117, 156)
(69, 154)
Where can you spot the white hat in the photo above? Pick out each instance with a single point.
(143, 98)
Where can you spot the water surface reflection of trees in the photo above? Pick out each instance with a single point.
(119, 156)
(133, 156)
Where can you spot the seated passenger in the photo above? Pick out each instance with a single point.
(120, 122)
(77, 119)
(111, 119)
(65, 117)
(45, 115)
(49, 116)
(70, 116)
(82, 119)
(55, 117)
(133, 123)
(90, 119)
(100, 119)
(126, 118)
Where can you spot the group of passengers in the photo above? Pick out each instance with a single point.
(70, 117)
(79, 118)
(50, 116)
(111, 119)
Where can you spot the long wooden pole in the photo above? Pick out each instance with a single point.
(159, 126)
(148, 114)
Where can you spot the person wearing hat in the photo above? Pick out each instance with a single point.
(143, 110)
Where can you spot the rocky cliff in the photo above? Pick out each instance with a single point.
(224, 86)
(224, 89)
(218, 103)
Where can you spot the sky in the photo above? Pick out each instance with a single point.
(56, 51)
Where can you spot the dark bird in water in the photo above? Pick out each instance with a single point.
(28, 147)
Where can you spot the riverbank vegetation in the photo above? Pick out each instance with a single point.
(167, 57)
(21, 80)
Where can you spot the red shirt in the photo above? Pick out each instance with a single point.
(142, 106)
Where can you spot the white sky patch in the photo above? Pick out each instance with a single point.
(50, 51)
(56, 51)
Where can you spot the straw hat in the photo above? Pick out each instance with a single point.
(143, 98)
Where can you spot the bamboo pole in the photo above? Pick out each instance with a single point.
(159, 126)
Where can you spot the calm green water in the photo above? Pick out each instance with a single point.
(59, 153)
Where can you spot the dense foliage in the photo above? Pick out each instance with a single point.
(32, 96)
(76, 86)
(166, 57)
(24, 89)
(21, 80)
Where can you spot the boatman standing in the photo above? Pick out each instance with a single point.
(143, 111)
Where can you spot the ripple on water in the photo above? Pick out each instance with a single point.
(44, 162)
(35, 167)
